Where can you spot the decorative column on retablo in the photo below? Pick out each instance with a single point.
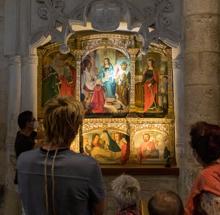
(202, 71)
(78, 56)
(132, 53)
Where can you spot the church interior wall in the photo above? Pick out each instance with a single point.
(149, 183)
(201, 74)
(197, 95)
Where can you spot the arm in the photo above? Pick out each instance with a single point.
(97, 192)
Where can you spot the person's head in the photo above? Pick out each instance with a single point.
(205, 142)
(104, 136)
(62, 118)
(117, 136)
(106, 61)
(146, 137)
(124, 65)
(98, 82)
(126, 190)
(95, 139)
(150, 62)
(26, 120)
(87, 64)
(165, 203)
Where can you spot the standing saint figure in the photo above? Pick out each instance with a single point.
(106, 75)
(50, 81)
(150, 82)
(123, 78)
(67, 79)
(88, 79)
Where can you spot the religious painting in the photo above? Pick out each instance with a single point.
(105, 82)
(151, 141)
(75, 146)
(151, 83)
(58, 76)
(107, 146)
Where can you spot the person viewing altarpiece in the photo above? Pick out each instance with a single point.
(127, 96)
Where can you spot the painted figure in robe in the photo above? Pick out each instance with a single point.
(107, 76)
(150, 82)
(147, 149)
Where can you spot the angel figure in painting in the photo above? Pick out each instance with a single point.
(147, 149)
(150, 82)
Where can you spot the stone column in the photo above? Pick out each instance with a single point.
(202, 71)
(14, 96)
(11, 197)
(29, 83)
(178, 89)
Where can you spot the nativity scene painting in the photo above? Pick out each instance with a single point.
(58, 76)
(107, 146)
(105, 81)
(150, 145)
(151, 83)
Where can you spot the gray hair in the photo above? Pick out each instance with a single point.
(126, 190)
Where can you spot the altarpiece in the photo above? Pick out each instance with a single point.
(128, 97)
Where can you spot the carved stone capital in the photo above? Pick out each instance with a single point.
(14, 60)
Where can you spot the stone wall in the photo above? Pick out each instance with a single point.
(201, 73)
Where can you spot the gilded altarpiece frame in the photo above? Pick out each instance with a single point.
(141, 134)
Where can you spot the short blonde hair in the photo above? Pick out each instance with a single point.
(62, 118)
(126, 190)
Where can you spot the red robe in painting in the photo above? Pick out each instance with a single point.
(150, 80)
(98, 99)
(67, 88)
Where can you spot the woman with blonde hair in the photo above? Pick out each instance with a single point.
(54, 180)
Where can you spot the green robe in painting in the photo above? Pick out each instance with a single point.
(50, 86)
(113, 146)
